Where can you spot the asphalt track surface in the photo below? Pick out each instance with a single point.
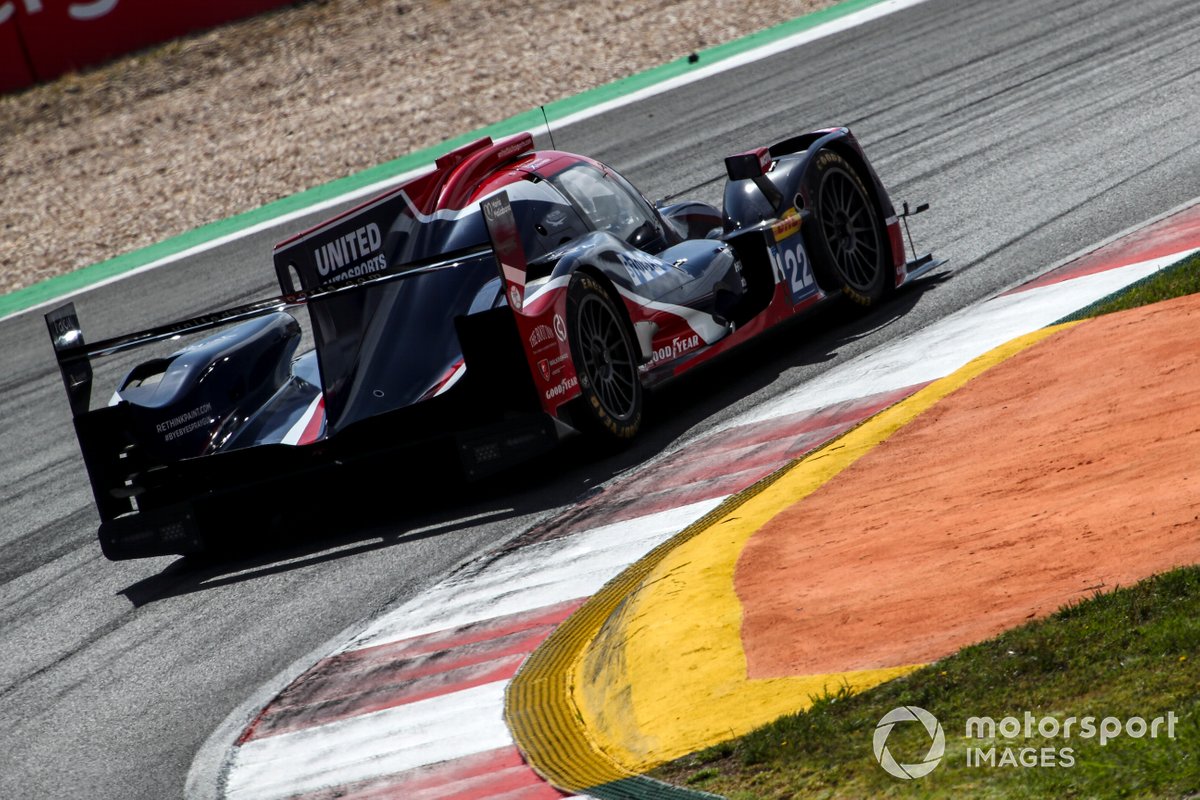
(1034, 127)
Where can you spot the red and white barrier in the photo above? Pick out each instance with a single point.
(42, 39)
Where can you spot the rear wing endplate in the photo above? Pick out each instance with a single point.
(541, 325)
(67, 337)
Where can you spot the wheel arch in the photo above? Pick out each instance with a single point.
(879, 194)
(841, 156)
(862, 170)
(848, 148)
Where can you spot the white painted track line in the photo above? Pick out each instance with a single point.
(951, 342)
(394, 740)
(533, 577)
(841, 25)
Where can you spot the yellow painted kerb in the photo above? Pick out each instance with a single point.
(652, 668)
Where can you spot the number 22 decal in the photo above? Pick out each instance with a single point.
(791, 262)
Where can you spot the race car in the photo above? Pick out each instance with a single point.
(486, 309)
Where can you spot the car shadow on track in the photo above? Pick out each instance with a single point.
(191, 574)
(441, 503)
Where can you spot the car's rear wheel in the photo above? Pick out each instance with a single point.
(605, 357)
(847, 243)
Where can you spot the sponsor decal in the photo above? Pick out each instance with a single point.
(826, 157)
(674, 349)
(352, 254)
(376, 264)
(502, 230)
(550, 368)
(560, 328)
(185, 423)
(790, 262)
(787, 225)
(642, 268)
(541, 334)
(516, 148)
(79, 11)
(66, 330)
(493, 209)
(536, 164)
(86, 11)
(564, 386)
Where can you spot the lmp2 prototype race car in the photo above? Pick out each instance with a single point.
(486, 309)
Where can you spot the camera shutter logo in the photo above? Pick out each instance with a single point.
(932, 727)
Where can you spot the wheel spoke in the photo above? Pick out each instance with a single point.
(610, 333)
(850, 270)
(594, 320)
(626, 396)
(609, 396)
(606, 358)
(835, 196)
(847, 197)
(849, 229)
(864, 271)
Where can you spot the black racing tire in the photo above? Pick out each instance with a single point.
(605, 356)
(847, 243)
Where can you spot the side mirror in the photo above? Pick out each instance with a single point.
(749, 165)
(753, 165)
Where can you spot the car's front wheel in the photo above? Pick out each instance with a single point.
(605, 357)
(847, 244)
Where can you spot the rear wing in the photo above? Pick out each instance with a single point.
(109, 441)
(74, 355)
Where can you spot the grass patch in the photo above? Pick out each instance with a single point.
(1130, 652)
(1173, 281)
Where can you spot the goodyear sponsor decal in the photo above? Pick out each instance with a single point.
(563, 386)
(678, 346)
